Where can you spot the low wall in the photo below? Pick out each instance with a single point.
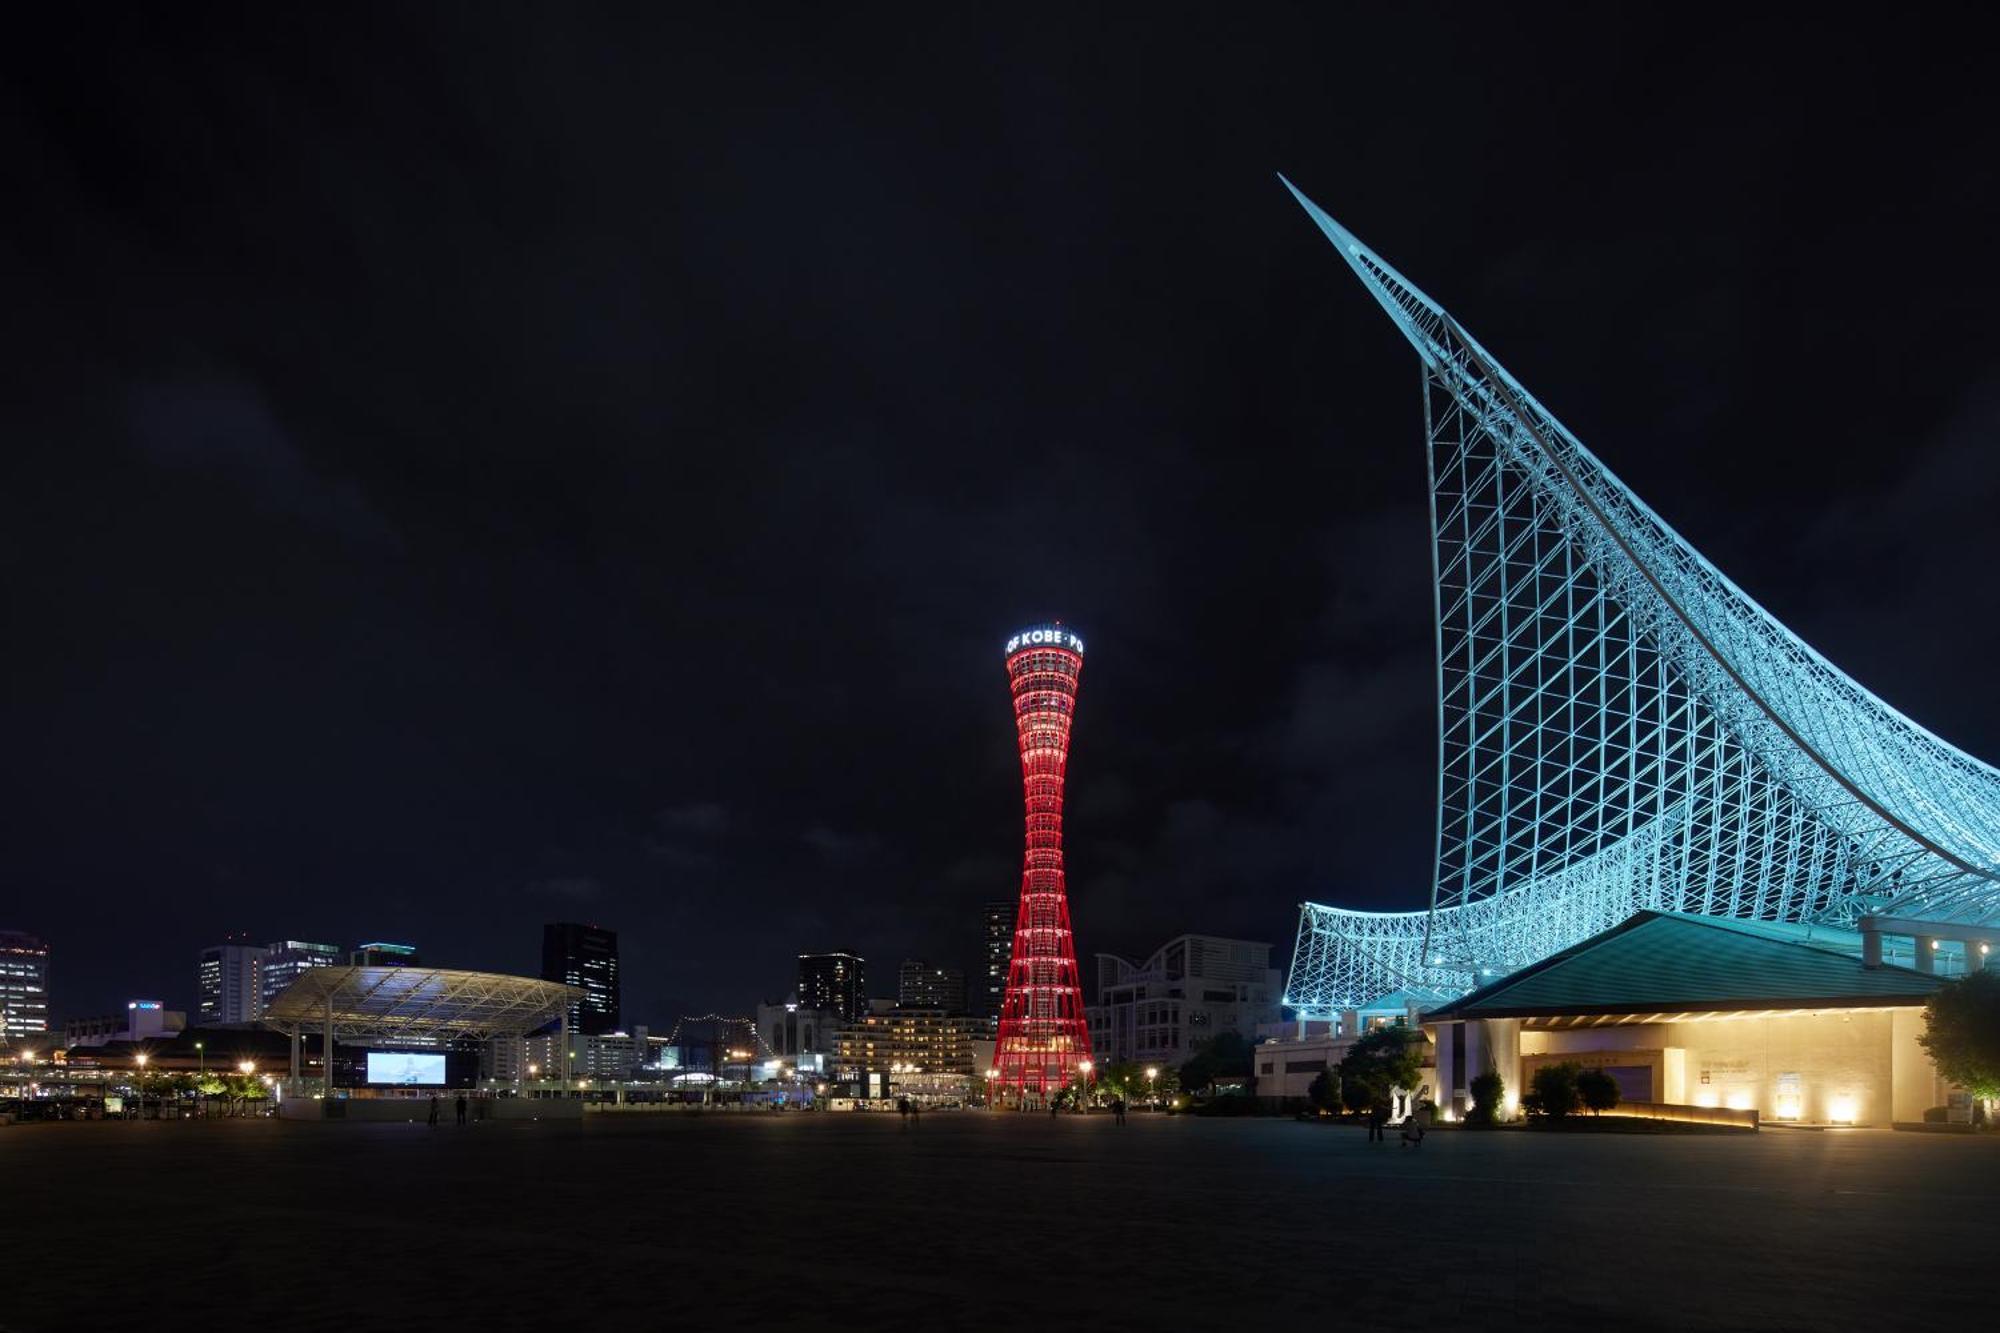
(392, 1109)
(1686, 1115)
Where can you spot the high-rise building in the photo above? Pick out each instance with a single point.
(24, 985)
(284, 960)
(384, 954)
(585, 957)
(836, 981)
(997, 945)
(230, 978)
(1044, 1035)
(926, 985)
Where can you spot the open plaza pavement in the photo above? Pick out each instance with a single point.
(986, 1220)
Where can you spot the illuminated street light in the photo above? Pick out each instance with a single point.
(247, 1067)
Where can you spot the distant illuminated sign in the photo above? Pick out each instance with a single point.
(142, 1004)
(1051, 638)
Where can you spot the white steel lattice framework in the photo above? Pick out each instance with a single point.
(1620, 726)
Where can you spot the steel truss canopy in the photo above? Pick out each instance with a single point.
(406, 1004)
(1621, 727)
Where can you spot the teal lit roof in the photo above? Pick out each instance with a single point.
(1670, 962)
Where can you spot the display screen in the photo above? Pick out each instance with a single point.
(405, 1067)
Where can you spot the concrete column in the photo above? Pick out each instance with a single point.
(1926, 953)
(326, 1052)
(1978, 955)
(1871, 944)
(295, 1057)
(563, 1032)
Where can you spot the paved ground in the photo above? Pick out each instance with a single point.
(856, 1220)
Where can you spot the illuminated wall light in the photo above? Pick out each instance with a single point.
(1788, 1106)
(1740, 1100)
(1840, 1109)
(1707, 1098)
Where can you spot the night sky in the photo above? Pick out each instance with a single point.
(464, 470)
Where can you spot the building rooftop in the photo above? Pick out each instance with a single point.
(1671, 962)
(383, 1003)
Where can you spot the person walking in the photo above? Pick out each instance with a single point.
(1118, 1110)
(433, 1121)
(1377, 1117)
(461, 1108)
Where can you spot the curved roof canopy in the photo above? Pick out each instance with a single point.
(384, 1003)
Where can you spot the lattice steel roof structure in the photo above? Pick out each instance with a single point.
(407, 1004)
(1621, 727)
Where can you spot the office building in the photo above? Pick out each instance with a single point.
(836, 981)
(230, 982)
(285, 959)
(997, 951)
(585, 957)
(799, 1034)
(926, 985)
(24, 985)
(599, 1055)
(141, 1020)
(383, 954)
(1192, 989)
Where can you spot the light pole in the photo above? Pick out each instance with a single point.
(201, 1077)
(1083, 1088)
(140, 1060)
(1152, 1077)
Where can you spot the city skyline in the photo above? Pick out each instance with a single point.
(382, 567)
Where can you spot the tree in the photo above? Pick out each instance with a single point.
(1380, 1061)
(1324, 1093)
(1962, 1032)
(1487, 1089)
(1225, 1055)
(1552, 1091)
(1598, 1090)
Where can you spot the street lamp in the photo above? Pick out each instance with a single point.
(1152, 1077)
(1083, 1067)
(140, 1060)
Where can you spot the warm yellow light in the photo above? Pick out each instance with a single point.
(1788, 1106)
(27, 1057)
(141, 1059)
(1739, 1100)
(1706, 1097)
(1840, 1110)
(247, 1067)
(1152, 1071)
(534, 1070)
(993, 1073)
(1085, 1066)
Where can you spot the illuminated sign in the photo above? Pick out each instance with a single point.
(1052, 638)
(142, 1004)
(405, 1068)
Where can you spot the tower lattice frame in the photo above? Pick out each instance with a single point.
(1044, 1036)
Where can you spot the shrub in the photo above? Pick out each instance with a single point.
(1552, 1091)
(1598, 1090)
(1487, 1091)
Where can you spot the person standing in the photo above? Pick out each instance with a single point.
(433, 1121)
(461, 1108)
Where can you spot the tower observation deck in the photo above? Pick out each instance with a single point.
(1043, 1035)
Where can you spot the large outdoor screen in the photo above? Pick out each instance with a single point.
(405, 1067)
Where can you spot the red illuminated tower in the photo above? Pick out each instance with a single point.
(1043, 1034)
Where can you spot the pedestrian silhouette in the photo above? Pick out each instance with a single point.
(461, 1108)
(1377, 1117)
(1413, 1131)
(1118, 1110)
(432, 1122)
